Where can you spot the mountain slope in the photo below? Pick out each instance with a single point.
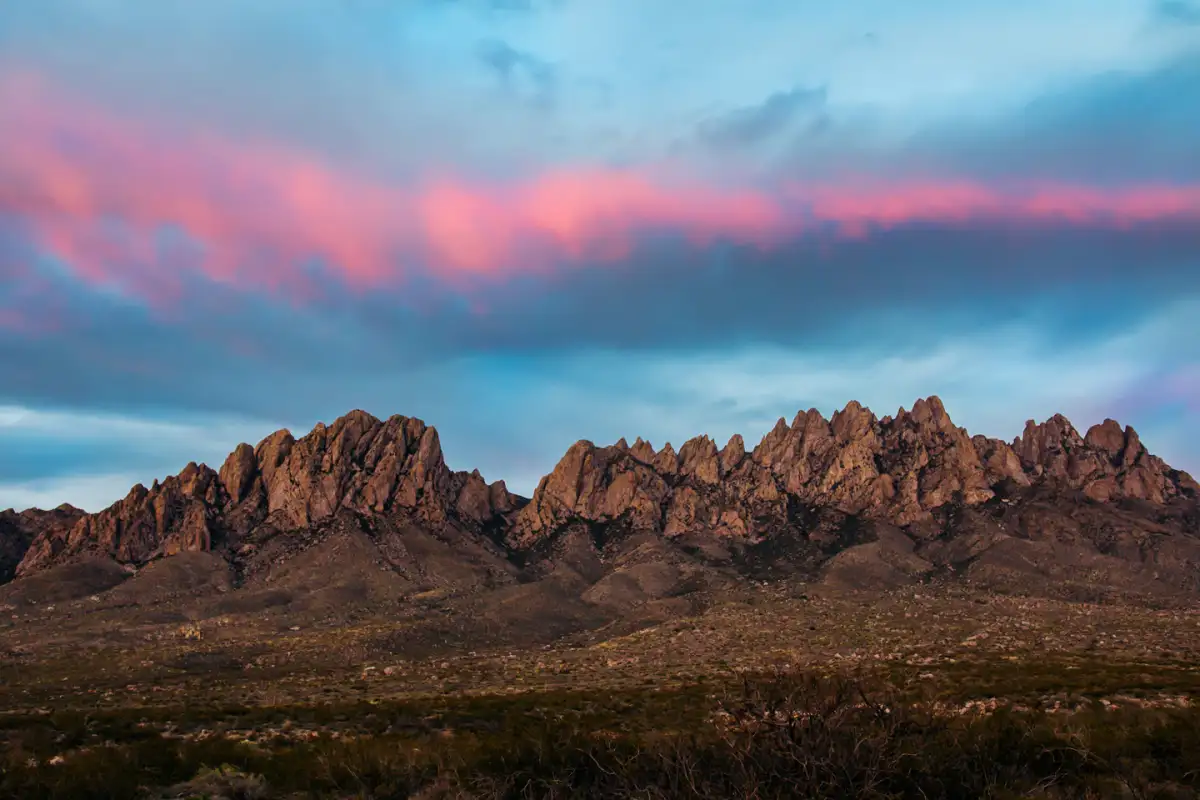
(364, 517)
(870, 502)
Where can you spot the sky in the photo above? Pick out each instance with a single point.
(529, 222)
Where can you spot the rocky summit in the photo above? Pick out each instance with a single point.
(364, 515)
(897, 469)
(359, 465)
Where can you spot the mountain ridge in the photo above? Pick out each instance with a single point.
(860, 498)
(358, 462)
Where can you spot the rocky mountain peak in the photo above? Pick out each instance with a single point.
(238, 472)
(1107, 436)
(667, 460)
(1047, 445)
(899, 470)
(358, 463)
(853, 422)
(642, 450)
(175, 515)
(589, 482)
(999, 461)
(1108, 463)
(18, 530)
(1123, 446)
(699, 458)
(732, 454)
(930, 411)
(780, 445)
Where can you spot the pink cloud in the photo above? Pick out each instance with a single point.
(860, 207)
(94, 188)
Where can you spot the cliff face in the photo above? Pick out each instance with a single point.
(1107, 463)
(358, 464)
(896, 469)
(19, 530)
(901, 471)
(362, 464)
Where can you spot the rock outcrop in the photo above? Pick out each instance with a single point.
(810, 481)
(896, 469)
(359, 464)
(19, 530)
(1108, 463)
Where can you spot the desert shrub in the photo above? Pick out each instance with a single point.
(115, 771)
(769, 736)
(225, 782)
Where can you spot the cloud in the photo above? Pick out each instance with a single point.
(755, 124)
(92, 493)
(149, 268)
(352, 215)
(521, 73)
(1113, 128)
(1180, 12)
(419, 351)
(139, 207)
(512, 416)
(92, 458)
(992, 377)
(395, 87)
(98, 191)
(501, 5)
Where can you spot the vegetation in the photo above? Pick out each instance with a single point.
(783, 693)
(778, 734)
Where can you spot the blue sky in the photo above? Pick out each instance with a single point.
(530, 222)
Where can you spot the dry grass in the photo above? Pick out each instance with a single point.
(984, 695)
(783, 734)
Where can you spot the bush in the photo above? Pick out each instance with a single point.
(222, 783)
(772, 736)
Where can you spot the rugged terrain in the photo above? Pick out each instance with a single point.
(363, 519)
(967, 694)
(343, 615)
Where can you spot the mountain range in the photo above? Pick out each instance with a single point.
(364, 515)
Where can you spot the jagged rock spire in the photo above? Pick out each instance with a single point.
(357, 463)
(898, 469)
